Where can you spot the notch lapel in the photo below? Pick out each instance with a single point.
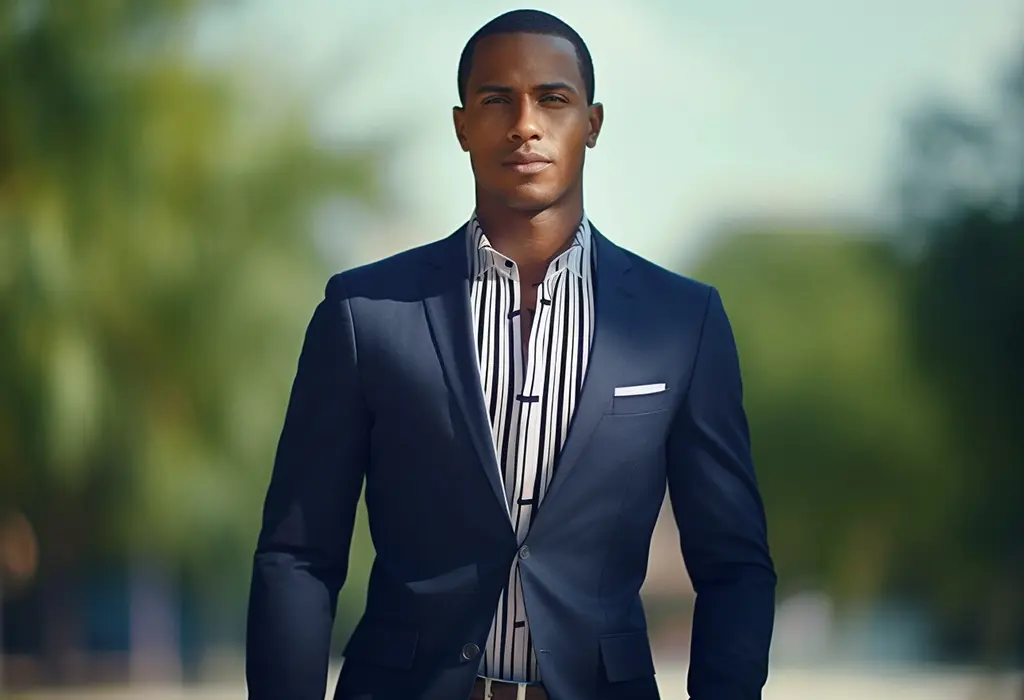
(609, 348)
(447, 303)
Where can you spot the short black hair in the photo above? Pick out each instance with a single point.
(528, 22)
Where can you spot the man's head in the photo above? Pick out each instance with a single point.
(526, 82)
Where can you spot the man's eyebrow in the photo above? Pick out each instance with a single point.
(543, 87)
(502, 89)
(551, 87)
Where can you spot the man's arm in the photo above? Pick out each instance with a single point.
(302, 554)
(721, 523)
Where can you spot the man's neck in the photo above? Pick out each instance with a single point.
(531, 239)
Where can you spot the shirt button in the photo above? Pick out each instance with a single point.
(524, 552)
(470, 651)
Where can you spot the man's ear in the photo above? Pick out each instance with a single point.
(459, 120)
(596, 121)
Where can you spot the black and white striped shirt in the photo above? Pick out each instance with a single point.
(530, 401)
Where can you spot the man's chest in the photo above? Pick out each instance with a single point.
(529, 332)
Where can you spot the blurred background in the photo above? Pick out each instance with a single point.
(178, 179)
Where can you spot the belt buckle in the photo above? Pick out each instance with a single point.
(489, 693)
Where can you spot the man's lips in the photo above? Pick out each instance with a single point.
(526, 162)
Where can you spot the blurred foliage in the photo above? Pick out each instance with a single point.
(968, 312)
(156, 275)
(844, 431)
(883, 379)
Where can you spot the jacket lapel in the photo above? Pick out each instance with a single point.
(446, 298)
(609, 348)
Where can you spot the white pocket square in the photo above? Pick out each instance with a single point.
(639, 390)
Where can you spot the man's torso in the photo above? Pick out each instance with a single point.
(436, 494)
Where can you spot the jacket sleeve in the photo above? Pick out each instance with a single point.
(721, 521)
(301, 558)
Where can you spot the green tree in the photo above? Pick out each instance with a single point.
(844, 437)
(963, 198)
(156, 274)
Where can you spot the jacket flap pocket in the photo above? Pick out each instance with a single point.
(390, 646)
(626, 657)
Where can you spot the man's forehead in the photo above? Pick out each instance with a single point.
(536, 58)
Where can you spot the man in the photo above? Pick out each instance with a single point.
(516, 398)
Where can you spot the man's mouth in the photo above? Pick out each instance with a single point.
(526, 163)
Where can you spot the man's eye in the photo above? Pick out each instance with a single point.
(494, 100)
(554, 98)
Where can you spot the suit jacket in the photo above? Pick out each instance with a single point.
(387, 391)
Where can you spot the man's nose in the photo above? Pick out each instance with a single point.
(525, 122)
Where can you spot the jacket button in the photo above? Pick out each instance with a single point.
(524, 552)
(470, 651)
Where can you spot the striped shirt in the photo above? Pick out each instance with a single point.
(530, 395)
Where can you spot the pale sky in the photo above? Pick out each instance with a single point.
(713, 108)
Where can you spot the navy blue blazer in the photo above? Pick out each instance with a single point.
(387, 392)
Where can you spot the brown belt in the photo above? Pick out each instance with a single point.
(500, 690)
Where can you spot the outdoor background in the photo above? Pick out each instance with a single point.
(178, 180)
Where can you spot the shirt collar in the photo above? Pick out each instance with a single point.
(483, 257)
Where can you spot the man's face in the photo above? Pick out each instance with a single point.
(526, 123)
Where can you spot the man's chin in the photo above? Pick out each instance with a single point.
(531, 199)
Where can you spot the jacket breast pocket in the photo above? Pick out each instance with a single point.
(642, 403)
(626, 657)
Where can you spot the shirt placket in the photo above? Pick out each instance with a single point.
(521, 468)
(526, 455)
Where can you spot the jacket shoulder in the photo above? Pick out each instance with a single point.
(397, 269)
(665, 282)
